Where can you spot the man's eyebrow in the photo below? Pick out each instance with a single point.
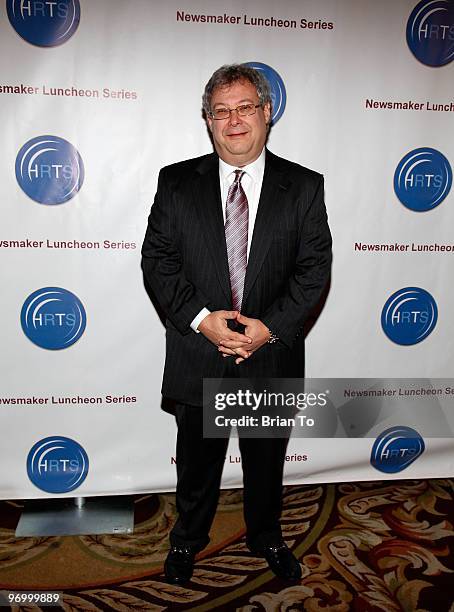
(246, 101)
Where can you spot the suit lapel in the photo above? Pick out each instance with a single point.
(207, 197)
(273, 186)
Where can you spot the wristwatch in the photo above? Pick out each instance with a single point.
(273, 338)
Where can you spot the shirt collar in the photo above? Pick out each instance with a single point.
(255, 170)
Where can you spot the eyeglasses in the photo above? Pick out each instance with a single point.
(243, 111)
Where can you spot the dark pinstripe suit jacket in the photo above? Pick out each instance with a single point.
(185, 263)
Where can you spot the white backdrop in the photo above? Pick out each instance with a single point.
(161, 64)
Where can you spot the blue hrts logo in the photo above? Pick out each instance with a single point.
(422, 179)
(396, 448)
(57, 464)
(430, 32)
(44, 23)
(49, 170)
(53, 318)
(409, 315)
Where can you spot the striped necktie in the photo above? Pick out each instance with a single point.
(236, 231)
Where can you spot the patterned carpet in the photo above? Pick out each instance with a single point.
(381, 546)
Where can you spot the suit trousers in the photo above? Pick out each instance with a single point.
(200, 462)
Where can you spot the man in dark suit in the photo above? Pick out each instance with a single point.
(237, 252)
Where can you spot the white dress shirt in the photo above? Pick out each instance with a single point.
(251, 181)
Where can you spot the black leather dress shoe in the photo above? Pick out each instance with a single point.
(282, 562)
(179, 565)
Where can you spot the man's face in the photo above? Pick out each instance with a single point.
(238, 140)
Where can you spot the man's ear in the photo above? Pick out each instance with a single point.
(267, 112)
(209, 122)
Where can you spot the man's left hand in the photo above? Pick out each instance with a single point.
(255, 329)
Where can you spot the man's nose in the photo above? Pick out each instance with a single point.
(234, 118)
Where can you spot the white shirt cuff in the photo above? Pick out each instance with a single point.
(198, 319)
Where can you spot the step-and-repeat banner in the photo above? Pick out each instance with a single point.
(97, 96)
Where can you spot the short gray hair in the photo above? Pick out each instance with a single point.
(232, 73)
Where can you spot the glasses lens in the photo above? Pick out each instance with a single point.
(246, 109)
(220, 113)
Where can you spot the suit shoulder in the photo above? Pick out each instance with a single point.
(186, 168)
(294, 170)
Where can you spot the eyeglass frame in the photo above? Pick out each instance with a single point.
(230, 110)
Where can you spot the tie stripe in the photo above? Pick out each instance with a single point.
(236, 234)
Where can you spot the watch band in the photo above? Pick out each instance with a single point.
(273, 338)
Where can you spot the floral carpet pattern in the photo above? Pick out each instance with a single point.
(367, 547)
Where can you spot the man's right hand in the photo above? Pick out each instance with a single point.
(214, 327)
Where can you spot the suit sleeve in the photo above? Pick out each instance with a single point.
(287, 315)
(162, 263)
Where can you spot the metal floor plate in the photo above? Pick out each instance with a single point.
(77, 516)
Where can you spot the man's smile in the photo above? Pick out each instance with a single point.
(236, 135)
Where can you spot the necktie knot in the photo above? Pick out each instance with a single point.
(238, 176)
